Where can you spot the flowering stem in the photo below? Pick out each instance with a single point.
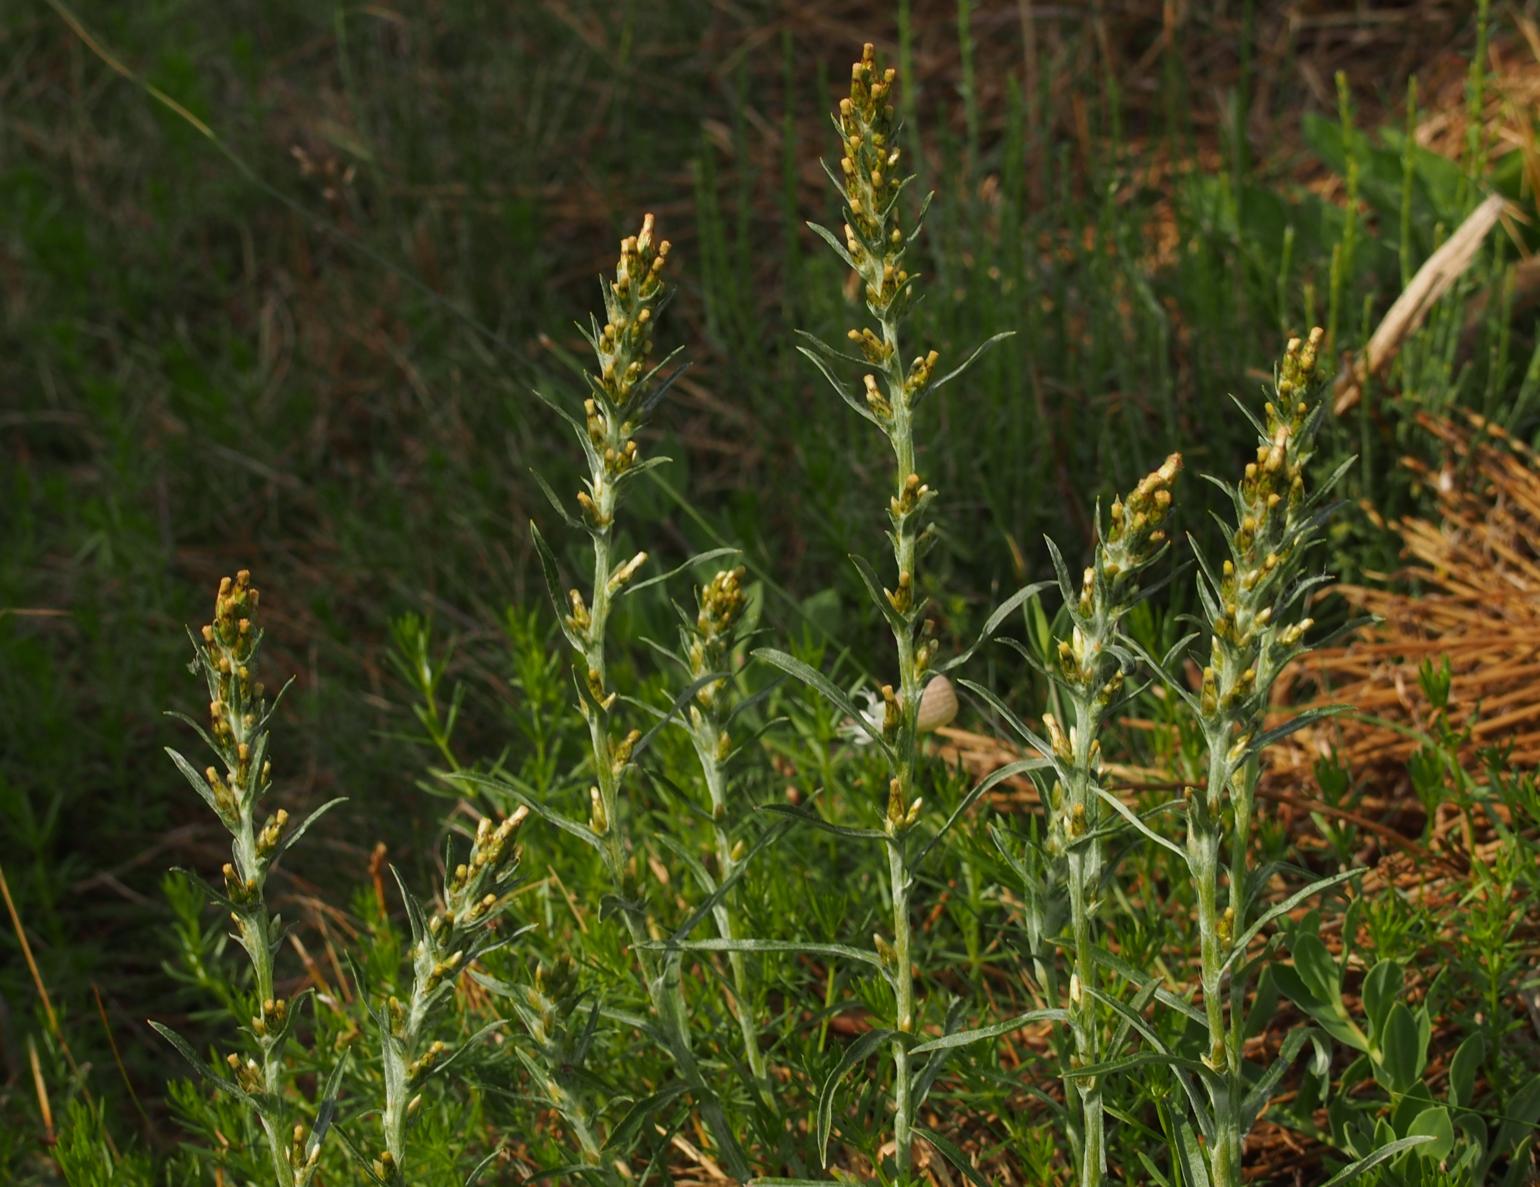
(614, 412)
(1248, 648)
(1090, 673)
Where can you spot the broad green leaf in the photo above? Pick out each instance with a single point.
(1381, 988)
(1317, 968)
(1433, 1123)
(1400, 1058)
(1463, 1067)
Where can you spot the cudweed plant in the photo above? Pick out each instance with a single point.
(1253, 605)
(236, 788)
(1088, 668)
(623, 392)
(875, 244)
(706, 644)
(444, 943)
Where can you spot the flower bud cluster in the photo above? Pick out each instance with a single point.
(719, 606)
(623, 348)
(473, 890)
(1249, 644)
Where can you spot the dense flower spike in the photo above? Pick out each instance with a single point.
(1254, 602)
(1090, 669)
(235, 788)
(706, 643)
(444, 945)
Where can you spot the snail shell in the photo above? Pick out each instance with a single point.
(938, 705)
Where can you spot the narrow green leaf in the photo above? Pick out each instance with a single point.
(816, 680)
(1353, 1170)
(1017, 726)
(828, 236)
(994, 779)
(554, 500)
(962, 1038)
(954, 1155)
(204, 1071)
(842, 389)
(553, 585)
(1283, 908)
(1132, 817)
(1190, 1156)
(198, 783)
(853, 1054)
(813, 820)
(717, 944)
(961, 368)
(299, 830)
(1003, 611)
(873, 584)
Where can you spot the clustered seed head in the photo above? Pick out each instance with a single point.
(719, 606)
(1134, 537)
(630, 304)
(870, 159)
(721, 603)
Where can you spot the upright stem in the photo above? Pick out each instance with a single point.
(1204, 842)
(1090, 673)
(898, 884)
(705, 739)
(902, 794)
(1248, 647)
(1084, 863)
